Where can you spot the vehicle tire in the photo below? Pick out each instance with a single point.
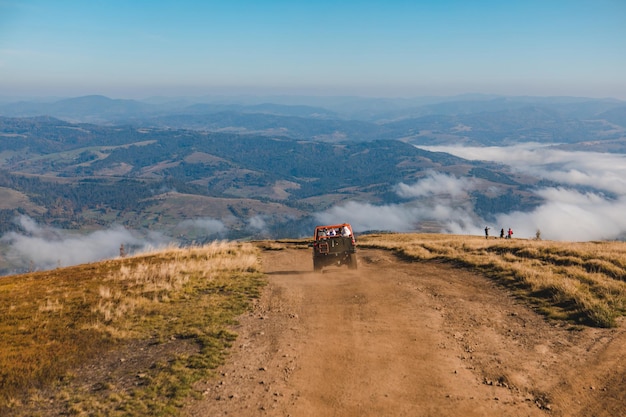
(317, 266)
(352, 262)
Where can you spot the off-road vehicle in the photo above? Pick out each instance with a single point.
(334, 245)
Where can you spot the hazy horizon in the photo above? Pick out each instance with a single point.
(286, 98)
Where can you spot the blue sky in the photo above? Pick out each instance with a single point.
(136, 49)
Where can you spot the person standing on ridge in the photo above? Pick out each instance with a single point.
(486, 232)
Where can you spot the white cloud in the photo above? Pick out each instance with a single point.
(566, 214)
(572, 216)
(436, 198)
(402, 217)
(365, 216)
(604, 171)
(30, 226)
(47, 248)
(437, 184)
(258, 224)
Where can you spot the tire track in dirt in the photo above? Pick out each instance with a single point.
(406, 339)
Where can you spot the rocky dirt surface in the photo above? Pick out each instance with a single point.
(397, 338)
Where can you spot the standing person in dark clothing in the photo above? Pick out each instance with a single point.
(486, 232)
(502, 233)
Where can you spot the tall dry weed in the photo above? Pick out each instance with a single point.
(157, 276)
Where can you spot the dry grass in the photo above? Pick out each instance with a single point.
(175, 307)
(53, 323)
(580, 282)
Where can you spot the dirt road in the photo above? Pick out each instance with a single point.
(395, 338)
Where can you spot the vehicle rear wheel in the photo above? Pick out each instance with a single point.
(317, 265)
(352, 262)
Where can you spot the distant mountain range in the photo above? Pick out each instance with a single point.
(471, 120)
(255, 169)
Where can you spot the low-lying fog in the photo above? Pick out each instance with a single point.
(567, 213)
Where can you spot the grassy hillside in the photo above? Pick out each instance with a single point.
(130, 336)
(578, 282)
(161, 316)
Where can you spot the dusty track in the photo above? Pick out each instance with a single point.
(408, 339)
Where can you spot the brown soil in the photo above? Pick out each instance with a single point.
(395, 338)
